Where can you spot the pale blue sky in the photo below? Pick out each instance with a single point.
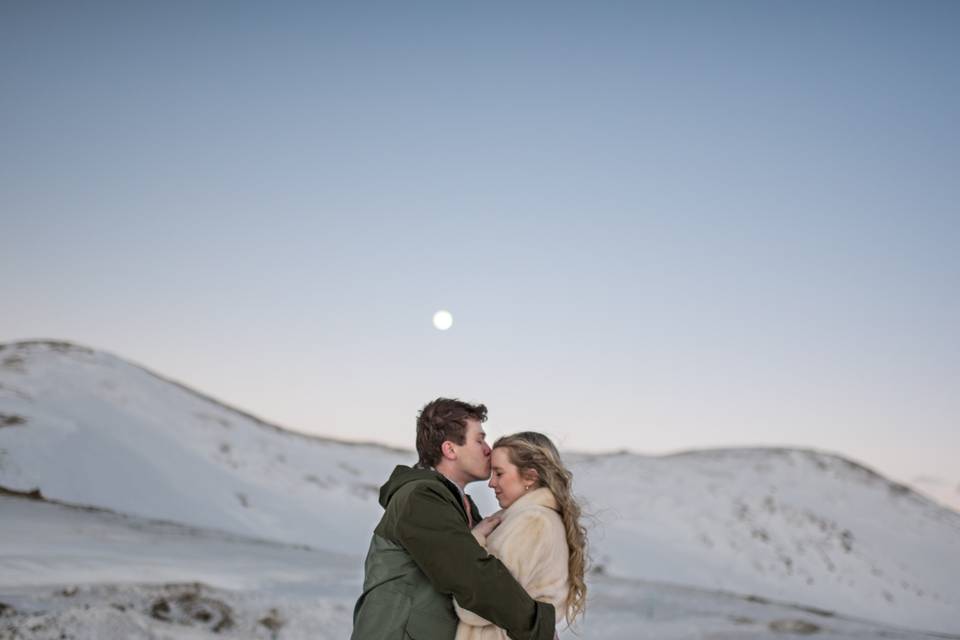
(657, 225)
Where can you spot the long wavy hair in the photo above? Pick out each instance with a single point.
(531, 450)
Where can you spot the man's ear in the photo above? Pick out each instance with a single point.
(447, 450)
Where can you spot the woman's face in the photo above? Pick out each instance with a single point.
(505, 479)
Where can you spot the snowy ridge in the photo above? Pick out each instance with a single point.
(807, 527)
(791, 525)
(93, 429)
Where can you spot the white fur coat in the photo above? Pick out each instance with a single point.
(532, 543)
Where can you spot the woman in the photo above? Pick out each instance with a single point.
(539, 539)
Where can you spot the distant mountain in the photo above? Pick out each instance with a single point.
(799, 526)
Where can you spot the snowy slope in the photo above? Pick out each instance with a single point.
(86, 574)
(42, 543)
(99, 431)
(103, 576)
(796, 526)
(799, 526)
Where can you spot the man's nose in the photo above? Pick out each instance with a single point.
(486, 449)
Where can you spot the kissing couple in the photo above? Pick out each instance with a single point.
(436, 571)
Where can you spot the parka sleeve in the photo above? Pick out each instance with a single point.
(469, 617)
(466, 616)
(435, 535)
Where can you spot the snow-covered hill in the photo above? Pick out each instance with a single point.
(806, 527)
(793, 525)
(88, 428)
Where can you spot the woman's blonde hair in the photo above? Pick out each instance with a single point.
(529, 450)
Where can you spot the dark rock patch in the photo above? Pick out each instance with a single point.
(316, 480)
(223, 422)
(273, 622)
(192, 609)
(11, 420)
(349, 468)
(800, 627)
(760, 534)
(14, 363)
(365, 490)
(33, 494)
(846, 540)
(897, 489)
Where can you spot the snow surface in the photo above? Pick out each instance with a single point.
(85, 574)
(805, 527)
(789, 525)
(101, 575)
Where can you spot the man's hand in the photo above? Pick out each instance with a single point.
(486, 526)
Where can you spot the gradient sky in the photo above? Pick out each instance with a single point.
(657, 225)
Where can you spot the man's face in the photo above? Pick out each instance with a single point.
(473, 456)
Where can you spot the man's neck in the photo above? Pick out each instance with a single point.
(446, 473)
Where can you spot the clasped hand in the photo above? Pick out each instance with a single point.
(486, 526)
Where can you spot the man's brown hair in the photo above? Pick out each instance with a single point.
(441, 420)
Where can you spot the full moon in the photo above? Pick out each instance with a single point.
(442, 320)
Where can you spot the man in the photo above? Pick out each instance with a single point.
(422, 551)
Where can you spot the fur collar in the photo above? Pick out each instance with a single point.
(540, 497)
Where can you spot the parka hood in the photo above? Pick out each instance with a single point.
(402, 475)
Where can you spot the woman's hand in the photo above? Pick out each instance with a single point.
(486, 526)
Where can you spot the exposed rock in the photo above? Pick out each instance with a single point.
(11, 420)
(801, 627)
(272, 621)
(192, 609)
(33, 494)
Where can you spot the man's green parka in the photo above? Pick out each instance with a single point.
(421, 554)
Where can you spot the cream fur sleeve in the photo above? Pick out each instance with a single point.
(534, 550)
